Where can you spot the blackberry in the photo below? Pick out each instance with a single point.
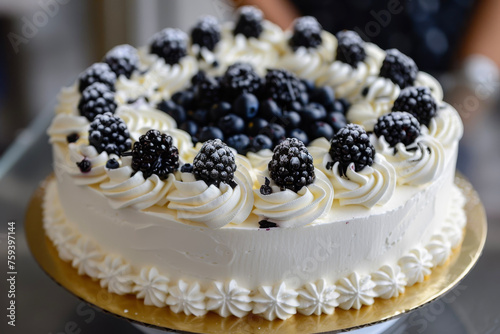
(398, 127)
(206, 33)
(351, 144)
(267, 224)
(240, 78)
(249, 23)
(292, 165)
(350, 48)
(98, 72)
(283, 87)
(72, 137)
(85, 165)
(170, 44)
(215, 163)
(266, 189)
(207, 92)
(399, 68)
(419, 102)
(122, 59)
(306, 33)
(109, 133)
(155, 153)
(197, 77)
(96, 99)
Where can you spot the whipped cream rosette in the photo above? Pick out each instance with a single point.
(68, 100)
(426, 80)
(365, 113)
(446, 127)
(97, 161)
(64, 125)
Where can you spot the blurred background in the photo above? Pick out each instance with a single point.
(45, 44)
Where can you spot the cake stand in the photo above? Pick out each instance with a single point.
(378, 315)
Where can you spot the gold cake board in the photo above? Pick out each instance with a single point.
(442, 280)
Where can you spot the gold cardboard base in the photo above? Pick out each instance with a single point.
(442, 280)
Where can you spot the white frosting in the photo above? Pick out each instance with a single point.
(416, 265)
(114, 274)
(293, 209)
(86, 257)
(151, 286)
(440, 249)
(427, 80)
(416, 164)
(317, 298)
(97, 160)
(389, 281)
(228, 299)
(68, 100)
(277, 301)
(382, 93)
(187, 298)
(355, 291)
(65, 124)
(365, 114)
(446, 126)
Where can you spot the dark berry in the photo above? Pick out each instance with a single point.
(240, 142)
(336, 120)
(255, 126)
(73, 137)
(184, 98)
(292, 165)
(200, 116)
(266, 189)
(399, 68)
(267, 224)
(324, 96)
(214, 163)
(169, 44)
(246, 105)
(206, 33)
(190, 127)
(283, 87)
(98, 72)
(122, 59)
(270, 110)
(109, 133)
(96, 99)
(197, 77)
(344, 103)
(275, 132)
(352, 145)
(419, 102)
(309, 84)
(187, 168)
(300, 135)
(249, 23)
(321, 129)
(261, 142)
(219, 110)
(174, 110)
(210, 132)
(84, 165)
(306, 33)
(207, 92)
(291, 120)
(112, 164)
(313, 112)
(240, 78)
(351, 48)
(155, 153)
(231, 124)
(397, 127)
(339, 106)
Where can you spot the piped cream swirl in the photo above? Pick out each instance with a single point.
(97, 161)
(382, 92)
(365, 114)
(446, 126)
(65, 124)
(68, 99)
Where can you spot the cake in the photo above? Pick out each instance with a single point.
(244, 169)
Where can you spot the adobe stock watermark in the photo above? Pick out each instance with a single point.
(32, 24)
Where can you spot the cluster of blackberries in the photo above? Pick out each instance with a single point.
(251, 113)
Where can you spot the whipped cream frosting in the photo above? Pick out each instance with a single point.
(151, 286)
(228, 299)
(277, 301)
(66, 124)
(97, 161)
(446, 126)
(68, 100)
(318, 298)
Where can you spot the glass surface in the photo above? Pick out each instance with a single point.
(44, 307)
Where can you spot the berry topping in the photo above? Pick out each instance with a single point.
(207, 92)
(215, 164)
(266, 189)
(122, 60)
(240, 142)
(261, 142)
(206, 33)
(350, 48)
(351, 144)
(275, 132)
(84, 165)
(240, 78)
(155, 153)
(109, 133)
(187, 168)
(306, 33)
(267, 224)
(283, 87)
(398, 127)
(300, 135)
(419, 102)
(399, 68)
(112, 164)
(210, 132)
(255, 126)
(170, 44)
(231, 124)
(96, 99)
(292, 165)
(73, 137)
(174, 110)
(249, 23)
(98, 72)
(246, 106)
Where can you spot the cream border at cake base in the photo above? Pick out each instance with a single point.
(273, 301)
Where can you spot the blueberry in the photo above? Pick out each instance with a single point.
(336, 119)
(309, 84)
(200, 116)
(338, 106)
(190, 127)
(174, 110)
(303, 98)
(291, 120)
(231, 124)
(269, 110)
(321, 129)
(246, 106)
(345, 103)
(324, 96)
(187, 168)
(300, 135)
(112, 164)
(255, 126)
(219, 110)
(295, 106)
(261, 142)
(313, 112)
(184, 98)
(240, 142)
(210, 132)
(275, 132)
